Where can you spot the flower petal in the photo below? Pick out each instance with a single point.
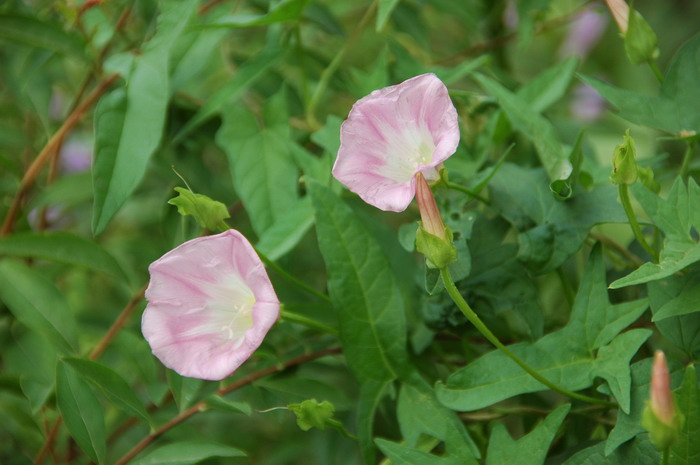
(392, 134)
(210, 305)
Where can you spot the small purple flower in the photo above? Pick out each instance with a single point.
(584, 33)
(587, 105)
(393, 134)
(210, 305)
(76, 155)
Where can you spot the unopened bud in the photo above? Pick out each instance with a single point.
(624, 169)
(433, 238)
(620, 11)
(641, 43)
(660, 416)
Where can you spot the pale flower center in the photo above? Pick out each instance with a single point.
(228, 312)
(406, 152)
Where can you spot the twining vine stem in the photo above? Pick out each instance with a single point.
(486, 332)
(202, 405)
(634, 224)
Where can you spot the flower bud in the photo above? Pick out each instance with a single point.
(620, 11)
(660, 416)
(624, 165)
(433, 238)
(640, 40)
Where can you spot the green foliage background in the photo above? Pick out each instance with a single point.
(241, 101)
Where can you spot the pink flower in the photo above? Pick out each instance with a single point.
(393, 134)
(210, 305)
(661, 399)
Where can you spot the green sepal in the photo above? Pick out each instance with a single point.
(661, 434)
(640, 40)
(624, 169)
(207, 212)
(313, 414)
(646, 176)
(438, 252)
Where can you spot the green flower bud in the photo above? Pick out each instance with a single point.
(433, 238)
(624, 165)
(640, 40)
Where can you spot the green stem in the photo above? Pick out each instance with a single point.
(486, 332)
(306, 321)
(270, 264)
(337, 60)
(458, 187)
(655, 69)
(634, 224)
(666, 455)
(685, 167)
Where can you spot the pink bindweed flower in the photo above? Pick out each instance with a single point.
(210, 305)
(393, 134)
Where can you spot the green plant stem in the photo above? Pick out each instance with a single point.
(687, 157)
(458, 187)
(634, 224)
(486, 332)
(306, 321)
(270, 264)
(332, 67)
(655, 69)
(666, 455)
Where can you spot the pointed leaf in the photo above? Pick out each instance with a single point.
(286, 232)
(686, 451)
(82, 412)
(36, 302)
(111, 384)
(363, 288)
(187, 453)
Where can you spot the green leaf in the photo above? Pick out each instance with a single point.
(640, 39)
(312, 413)
(419, 413)
(403, 455)
(641, 451)
(384, 12)
(549, 86)
(681, 330)
(207, 212)
(192, 52)
(63, 248)
(550, 231)
(687, 301)
(371, 394)
(129, 121)
(187, 453)
(532, 448)
(286, 232)
(263, 171)
(686, 451)
(36, 302)
(34, 32)
(81, 411)
(184, 389)
(563, 356)
(675, 217)
(363, 289)
(217, 402)
(111, 384)
(247, 74)
(286, 10)
(674, 109)
(533, 125)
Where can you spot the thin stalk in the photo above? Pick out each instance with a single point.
(634, 224)
(469, 192)
(666, 456)
(655, 69)
(687, 157)
(202, 405)
(486, 332)
(306, 321)
(333, 66)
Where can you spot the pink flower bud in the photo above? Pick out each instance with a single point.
(210, 305)
(661, 401)
(429, 212)
(620, 11)
(393, 134)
